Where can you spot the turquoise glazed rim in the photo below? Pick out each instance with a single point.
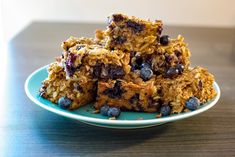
(126, 120)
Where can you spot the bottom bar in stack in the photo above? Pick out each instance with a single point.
(158, 94)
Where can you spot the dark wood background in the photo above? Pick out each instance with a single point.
(28, 130)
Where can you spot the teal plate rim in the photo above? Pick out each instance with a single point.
(117, 122)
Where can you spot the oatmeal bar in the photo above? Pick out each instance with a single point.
(150, 96)
(127, 95)
(196, 82)
(166, 59)
(132, 34)
(98, 62)
(56, 85)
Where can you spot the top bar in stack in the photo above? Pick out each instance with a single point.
(132, 34)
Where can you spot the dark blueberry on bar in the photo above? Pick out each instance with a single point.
(180, 68)
(200, 85)
(165, 110)
(168, 58)
(115, 71)
(69, 66)
(192, 103)
(117, 18)
(104, 110)
(134, 99)
(159, 30)
(97, 70)
(116, 91)
(134, 67)
(146, 73)
(79, 88)
(177, 53)
(108, 92)
(164, 40)
(64, 102)
(70, 70)
(171, 72)
(135, 26)
(120, 40)
(139, 60)
(114, 112)
(145, 65)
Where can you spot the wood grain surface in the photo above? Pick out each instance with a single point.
(28, 130)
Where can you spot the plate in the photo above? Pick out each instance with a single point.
(127, 120)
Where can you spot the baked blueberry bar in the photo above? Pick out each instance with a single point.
(164, 95)
(69, 94)
(96, 61)
(168, 59)
(127, 95)
(192, 85)
(131, 33)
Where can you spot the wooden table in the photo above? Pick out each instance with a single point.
(28, 130)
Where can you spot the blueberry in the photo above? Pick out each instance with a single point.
(165, 110)
(200, 85)
(104, 110)
(136, 27)
(120, 40)
(168, 58)
(145, 64)
(146, 73)
(134, 99)
(138, 60)
(64, 102)
(69, 64)
(193, 103)
(164, 40)
(159, 31)
(171, 72)
(178, 53)
(115, 72)
(180, 68)
(134, 67)
(116, 91)
(114, 112)
(79, 88)
(117, 17)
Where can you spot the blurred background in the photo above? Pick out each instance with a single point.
(16, 15)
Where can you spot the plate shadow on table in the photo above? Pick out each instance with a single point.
(76, 137)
